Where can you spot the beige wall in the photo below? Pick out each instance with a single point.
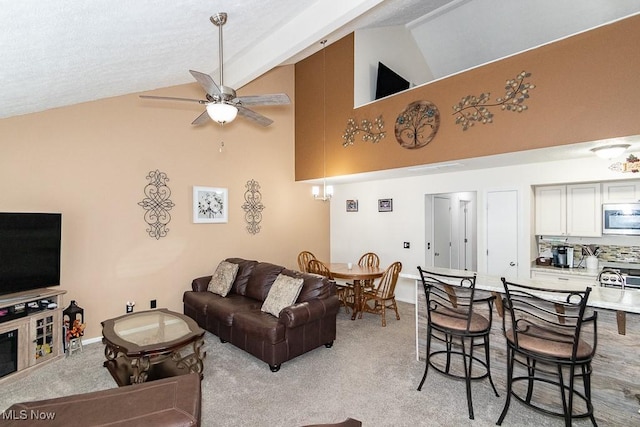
(90, 162)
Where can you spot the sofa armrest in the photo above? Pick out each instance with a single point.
(309, 311)
(200, 284)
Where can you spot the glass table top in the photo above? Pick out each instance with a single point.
(154, 330)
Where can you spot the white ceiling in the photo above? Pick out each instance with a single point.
(64, 52)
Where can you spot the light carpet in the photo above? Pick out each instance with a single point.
(370, 374)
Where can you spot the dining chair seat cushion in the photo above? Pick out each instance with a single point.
(283, 293)
(458, 321)
(223, 278)
(545, 342)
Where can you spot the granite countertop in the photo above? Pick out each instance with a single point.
(627, 300)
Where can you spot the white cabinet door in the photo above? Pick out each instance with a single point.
(551, 210)
(583, 210)
(621, 191)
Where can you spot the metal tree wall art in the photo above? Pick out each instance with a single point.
(417, 125)
(253, 206)
(472, 109)
(157, 204)
(372, 131)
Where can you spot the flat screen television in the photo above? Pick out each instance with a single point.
(389, 82)
(29, 251)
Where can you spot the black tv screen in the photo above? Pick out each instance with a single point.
(29, 251)
(389, 82)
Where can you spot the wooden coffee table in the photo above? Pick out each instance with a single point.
(152, 344)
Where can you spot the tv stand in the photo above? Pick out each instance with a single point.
(39, 329)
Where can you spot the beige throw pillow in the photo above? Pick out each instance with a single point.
(283, 293)
(223, 278)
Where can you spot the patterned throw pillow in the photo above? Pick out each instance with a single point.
(223, 278)
(283, 293)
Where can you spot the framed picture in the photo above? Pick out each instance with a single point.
(352, 206)
(210, 205)
(385, 205)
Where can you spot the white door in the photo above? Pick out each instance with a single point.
(465, 236)
(441, 232)
(502, 233)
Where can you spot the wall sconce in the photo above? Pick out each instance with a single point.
(327, 192)
(610, 151)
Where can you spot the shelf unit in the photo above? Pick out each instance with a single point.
(39, 329)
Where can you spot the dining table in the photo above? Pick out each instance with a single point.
(358, 274)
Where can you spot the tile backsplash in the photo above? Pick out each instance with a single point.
(608, 253)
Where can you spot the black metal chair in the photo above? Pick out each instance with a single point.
(551, 339)
(460, 320)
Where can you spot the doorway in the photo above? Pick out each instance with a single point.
(451, 230)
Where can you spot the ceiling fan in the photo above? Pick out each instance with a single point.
(222, 104)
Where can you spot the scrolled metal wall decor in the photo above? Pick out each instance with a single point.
(472, 109)
(157, 204)
(417, 125)
(372, 131)
(253, 206)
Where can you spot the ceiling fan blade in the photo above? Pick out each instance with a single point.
(201, 119)
(269, 99)
(171, 98)
(206, 82)
(252, 115)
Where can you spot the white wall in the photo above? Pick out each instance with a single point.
(353, 233)
(395, 48)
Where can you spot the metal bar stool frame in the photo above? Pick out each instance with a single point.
(545, 331)
(451, 319)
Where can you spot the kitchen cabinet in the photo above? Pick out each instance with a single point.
(568, 210)
(621, 191)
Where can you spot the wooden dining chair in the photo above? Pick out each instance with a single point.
(383, 295)
(345, 294)
(303, 260)
(369, 259)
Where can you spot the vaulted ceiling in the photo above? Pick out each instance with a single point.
(70, 51)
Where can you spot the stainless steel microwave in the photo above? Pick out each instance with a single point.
(621, 218)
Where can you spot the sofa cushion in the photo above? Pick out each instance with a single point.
(283, 293)
(260, 325)
(223, 278)
(224, 309)
(313, 287)
(245, 268)
(262, 277)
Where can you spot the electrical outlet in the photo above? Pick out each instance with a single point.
(130, 305)
(407, 245)
(152, 304)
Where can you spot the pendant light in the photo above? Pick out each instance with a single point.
(327, 190)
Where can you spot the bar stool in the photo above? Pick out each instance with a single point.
(453, 320)
(550, 334)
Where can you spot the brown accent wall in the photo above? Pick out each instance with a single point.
(586, 89)
(90, 162)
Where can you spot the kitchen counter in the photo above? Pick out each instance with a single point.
(581, 271)
(625, 301)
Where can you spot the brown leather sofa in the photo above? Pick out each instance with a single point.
(237, 318)
(173, 401)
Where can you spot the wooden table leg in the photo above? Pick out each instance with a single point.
(499, 306)
(357, 299)
(621, 318)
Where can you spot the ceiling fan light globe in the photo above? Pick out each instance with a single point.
(611, 151)
(221, 112)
